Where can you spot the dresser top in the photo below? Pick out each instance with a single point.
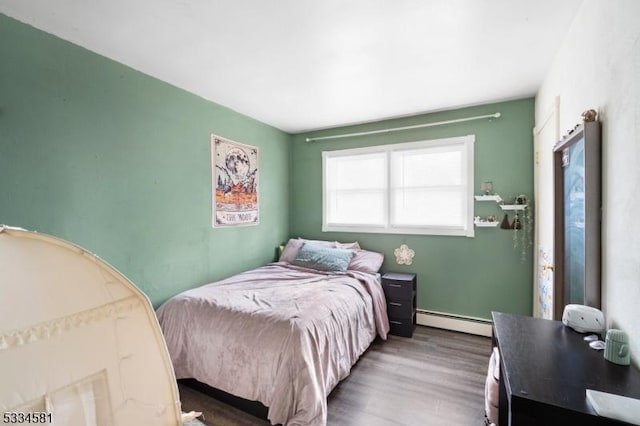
(399, 276)
(546, 362)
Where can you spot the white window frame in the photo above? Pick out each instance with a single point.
(466, 230)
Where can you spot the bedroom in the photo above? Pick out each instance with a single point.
(118, 162)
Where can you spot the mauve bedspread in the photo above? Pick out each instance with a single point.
(279, 334)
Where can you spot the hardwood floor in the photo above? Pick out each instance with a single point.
(435, 378)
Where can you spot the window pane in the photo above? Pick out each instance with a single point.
(427, 187)
(436, 166)
(355, 189)
(357, 172)
(357, 208)
(428, 207)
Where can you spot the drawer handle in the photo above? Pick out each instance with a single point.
(395, 322)
(395, 304)
(395, 285)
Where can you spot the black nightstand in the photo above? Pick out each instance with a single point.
(400, 292)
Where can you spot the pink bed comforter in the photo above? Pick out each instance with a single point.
(279, 334)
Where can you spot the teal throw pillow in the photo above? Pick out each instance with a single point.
(323, 258)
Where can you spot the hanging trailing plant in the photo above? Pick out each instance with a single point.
(522, 227)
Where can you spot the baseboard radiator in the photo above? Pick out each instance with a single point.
(471, 325)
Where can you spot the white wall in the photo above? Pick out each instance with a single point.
(598, 66)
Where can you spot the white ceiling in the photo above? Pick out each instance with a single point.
(309, 64)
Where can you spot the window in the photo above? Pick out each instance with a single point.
(412, 188)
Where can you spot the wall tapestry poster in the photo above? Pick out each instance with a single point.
(235, 183)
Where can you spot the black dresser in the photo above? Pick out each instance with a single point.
(400, 292)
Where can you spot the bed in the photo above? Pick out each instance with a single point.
(283, 334)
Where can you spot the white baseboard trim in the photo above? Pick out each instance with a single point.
(478, 326)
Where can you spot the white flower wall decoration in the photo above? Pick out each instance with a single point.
(404, 255)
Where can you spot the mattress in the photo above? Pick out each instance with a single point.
(280, 334)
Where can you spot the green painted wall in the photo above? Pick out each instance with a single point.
(119, 163)
(457, 275)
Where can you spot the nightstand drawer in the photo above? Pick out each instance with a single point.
(398, 289)
(400, 308)
(402, 327)
(401, 293)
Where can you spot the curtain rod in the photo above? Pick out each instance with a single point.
(396, 129)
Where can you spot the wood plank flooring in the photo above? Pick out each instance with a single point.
(435, 378)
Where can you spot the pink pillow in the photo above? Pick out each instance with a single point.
(291, 250)
(366, 261)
